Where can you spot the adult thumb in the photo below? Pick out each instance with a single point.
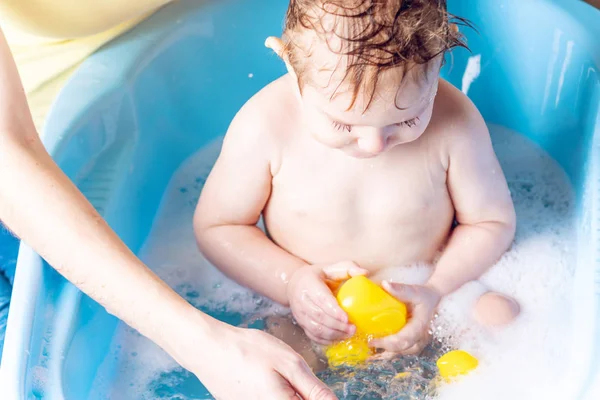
(307, 385)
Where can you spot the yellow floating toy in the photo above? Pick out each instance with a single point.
(456, 363)
(373, 311)
(350, 352)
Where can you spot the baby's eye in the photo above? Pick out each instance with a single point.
(410, 123)
(341, 127)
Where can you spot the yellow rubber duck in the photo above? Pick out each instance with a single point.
(373, 311)
(456, 363)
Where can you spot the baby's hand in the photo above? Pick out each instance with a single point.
(421, 302)
(313, 305)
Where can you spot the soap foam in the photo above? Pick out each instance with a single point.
(523, 361)
(528, 359)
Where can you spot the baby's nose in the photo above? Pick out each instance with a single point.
(374, 142)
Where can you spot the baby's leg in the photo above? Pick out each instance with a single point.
(284, 329)
(495, 309)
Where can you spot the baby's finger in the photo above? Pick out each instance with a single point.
(404, 293)
(312, 318)
(403, 340)
(343, 270)
(394, 343)
(317, 339)
(385, 355)
(324, 298)
(315, 313)
(413, 331)
(415, 349)
(323, 334)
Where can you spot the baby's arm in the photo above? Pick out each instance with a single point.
(484, 209)
(486, 225)
(231, 203)
(230, 206)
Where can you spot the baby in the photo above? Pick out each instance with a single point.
(360, 160)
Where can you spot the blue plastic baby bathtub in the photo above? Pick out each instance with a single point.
(139, 107)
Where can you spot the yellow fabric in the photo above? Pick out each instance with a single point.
(50, 38)
(69, 19)
(45, 67)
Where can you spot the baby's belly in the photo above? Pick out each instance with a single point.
(375, 246)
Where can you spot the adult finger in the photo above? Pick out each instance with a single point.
(304, 383)
(282, 389)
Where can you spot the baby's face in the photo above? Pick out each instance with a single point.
(399, 113)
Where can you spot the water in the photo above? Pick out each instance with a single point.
(400, 378)
(524, 361)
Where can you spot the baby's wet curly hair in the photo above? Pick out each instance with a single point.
(372, 35)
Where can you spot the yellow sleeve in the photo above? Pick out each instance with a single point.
(50, 38)
(69, 19)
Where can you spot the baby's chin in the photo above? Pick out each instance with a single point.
(361, 155)
(355, 152)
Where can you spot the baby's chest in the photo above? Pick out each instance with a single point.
(384, 197)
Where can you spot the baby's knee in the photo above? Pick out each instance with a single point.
(495, 309)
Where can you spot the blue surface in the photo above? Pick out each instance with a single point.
(139, 107)
(9, 246)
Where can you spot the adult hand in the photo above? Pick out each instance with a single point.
(251, 364)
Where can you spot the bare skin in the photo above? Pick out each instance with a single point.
(348, 192)
(43, 207)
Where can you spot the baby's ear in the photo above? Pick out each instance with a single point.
(277, 45)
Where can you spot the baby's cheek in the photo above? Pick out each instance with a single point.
(426, 118)
(407, 135)
(411, 134)
(331, 139)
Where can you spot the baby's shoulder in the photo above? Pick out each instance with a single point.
(456, 122)
(262, 119)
